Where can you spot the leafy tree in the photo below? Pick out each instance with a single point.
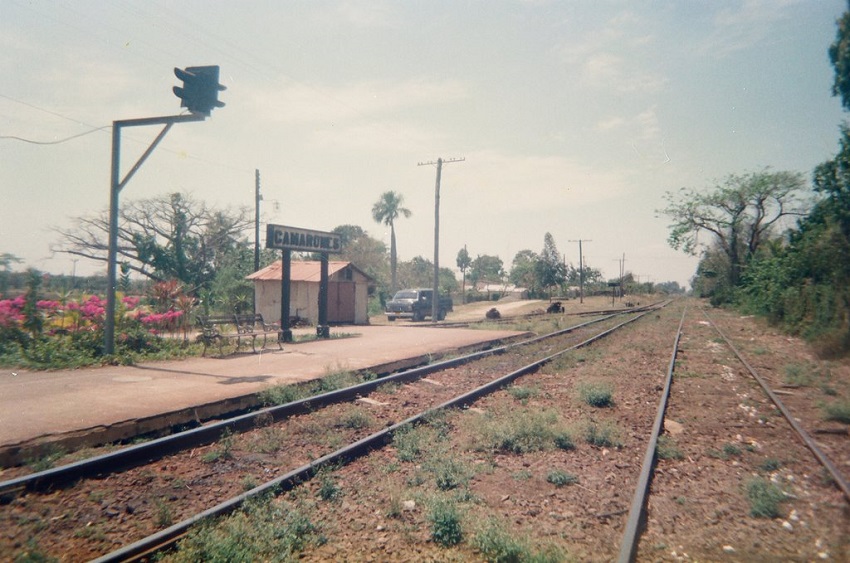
(367, 253)
(839, 56)
(523, 270)
(163, 238)
(419, 272)
(463, 261)
(549, 269)
(386, 210)
(486, 268)
(740, 213)
(6, 261)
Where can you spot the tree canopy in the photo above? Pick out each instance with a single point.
(740, 213)
(386, 210)
(168, 237)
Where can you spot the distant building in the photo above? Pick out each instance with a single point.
(348, 292)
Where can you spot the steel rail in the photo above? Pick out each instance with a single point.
(168, 537)
(147, 452)
(637, 513)
(834, 472)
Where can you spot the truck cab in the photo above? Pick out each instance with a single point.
(416, 305)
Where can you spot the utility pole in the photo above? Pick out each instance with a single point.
(622, 263)
(257, 199)
(435, 299)
(580, 269)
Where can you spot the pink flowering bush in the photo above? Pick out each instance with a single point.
(69, 332)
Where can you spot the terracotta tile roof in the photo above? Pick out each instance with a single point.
(302, 270)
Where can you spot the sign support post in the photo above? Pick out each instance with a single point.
(302, 240)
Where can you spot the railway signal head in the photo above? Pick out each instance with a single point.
(199, 93)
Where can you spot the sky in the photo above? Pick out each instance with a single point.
(573, 117)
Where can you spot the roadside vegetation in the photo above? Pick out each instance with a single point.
(778, 248)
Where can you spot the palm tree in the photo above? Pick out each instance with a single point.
(386, 211)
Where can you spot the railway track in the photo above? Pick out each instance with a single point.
(68, 491)
(571, 494)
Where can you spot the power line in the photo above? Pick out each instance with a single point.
(60, 141)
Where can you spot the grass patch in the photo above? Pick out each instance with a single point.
(798, 375)
(770, 464)
(47, 458)
(410, 441)
(264, 529)
(449, 472)
(597, 394)
(444, 518)
(329, 489)
(521, 393)
(354, 419)
(765, 498)
(518, 431)
(224, 449)
(499, 545)
(838, 411)
(602, 435)
(667, 448)
(561, 478)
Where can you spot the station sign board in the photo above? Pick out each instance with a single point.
(301, 240)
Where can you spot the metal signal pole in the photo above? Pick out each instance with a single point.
(435, 299)
(580, 269)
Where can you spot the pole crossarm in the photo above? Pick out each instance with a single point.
(167, 120)
(441, 160)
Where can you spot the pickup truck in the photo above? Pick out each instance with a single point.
(416, 304)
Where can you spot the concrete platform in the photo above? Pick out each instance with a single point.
(121, 401)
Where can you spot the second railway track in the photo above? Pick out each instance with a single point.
(546, 468)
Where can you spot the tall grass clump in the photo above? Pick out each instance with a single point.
(602, 435)
(838, 412)
(498, 545)
(765, 498)
(445, 519)
(597, 394)
(264, 530)
(519, 431)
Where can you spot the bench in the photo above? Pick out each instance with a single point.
(221, 328)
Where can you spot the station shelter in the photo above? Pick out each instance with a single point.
(348, 292)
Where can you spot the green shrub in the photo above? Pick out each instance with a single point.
(498, 545)
(264, 530)
(355, 419)
(765, 498)
(602, 435)
(449, 472)
(522, 393)
(668, 449)
(838, 412)
(409, 442)
(519, 431)
(445, 519)
(561, 478)
(770, 465)
(598, 395)
(329, 489)
(564, 441)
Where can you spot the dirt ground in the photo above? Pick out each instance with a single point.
(543, 470)
(571, 504)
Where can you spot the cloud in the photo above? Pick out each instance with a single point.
(300, 102)
(524, 182)
(744, 26)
